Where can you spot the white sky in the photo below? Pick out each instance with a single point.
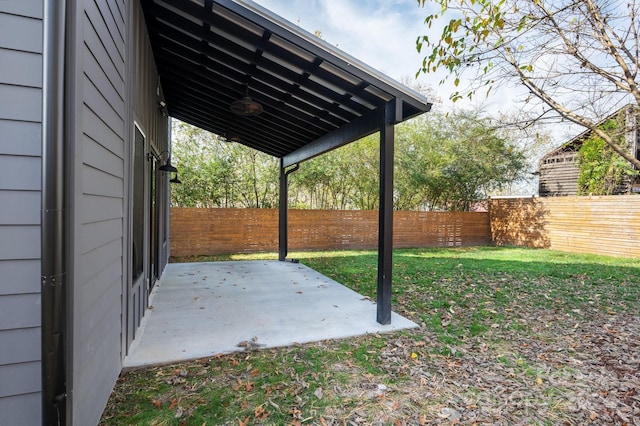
(382, 34)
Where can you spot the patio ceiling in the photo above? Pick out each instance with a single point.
(315, 97)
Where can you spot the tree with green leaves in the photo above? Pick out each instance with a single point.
(323, 183)
(442, 163)
(601, 170)
(577, 59)
(219, 173)
(453, 161)
(205, 170)
(533, 139)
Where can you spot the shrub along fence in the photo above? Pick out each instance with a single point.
(608, 225)
(197, 231)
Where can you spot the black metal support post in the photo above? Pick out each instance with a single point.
(53, 218)
(283, 215)
(283, 211)
(385, 222)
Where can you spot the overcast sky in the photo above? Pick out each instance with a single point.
(380, 33)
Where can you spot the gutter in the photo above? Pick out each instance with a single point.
(53, 217)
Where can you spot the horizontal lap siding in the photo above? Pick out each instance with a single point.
(559, 178)
(24, 378)
(147, 118)
(20, 68)
(21, 409)
(20, 194)
(20, 207)
(20, 276)
(606, 225)
(20, 137)
(197, 231)
(98, 206)
(26, 339)
(19, 103)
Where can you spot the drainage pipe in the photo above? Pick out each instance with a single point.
(53, 216)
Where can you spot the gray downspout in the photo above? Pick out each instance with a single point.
(53, 217)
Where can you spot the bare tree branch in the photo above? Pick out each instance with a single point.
(577, 58)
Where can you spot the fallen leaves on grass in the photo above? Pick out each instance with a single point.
(493, 348)
(553, 373)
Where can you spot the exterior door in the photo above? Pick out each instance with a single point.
(137, 297)
(154, 228)
(145, 230)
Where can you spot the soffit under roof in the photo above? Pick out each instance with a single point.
(210, 53)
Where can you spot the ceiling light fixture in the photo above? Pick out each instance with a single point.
(246, 106)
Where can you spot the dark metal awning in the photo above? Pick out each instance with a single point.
(212, 53)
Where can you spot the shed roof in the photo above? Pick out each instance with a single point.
(575, 143)
(212, 53)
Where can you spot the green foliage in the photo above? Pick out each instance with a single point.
(475, 29)
(571, 59)
(602, 170)
(218, 173)
(450, 163)
(442, 163)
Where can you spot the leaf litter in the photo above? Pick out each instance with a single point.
(539, 357)
(555, 374)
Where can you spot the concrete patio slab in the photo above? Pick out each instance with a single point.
(203, 309)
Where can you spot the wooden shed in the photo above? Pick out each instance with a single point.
(559, 169)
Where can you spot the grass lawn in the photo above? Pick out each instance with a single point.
(507, 336)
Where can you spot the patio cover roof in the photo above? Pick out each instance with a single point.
(315, 97)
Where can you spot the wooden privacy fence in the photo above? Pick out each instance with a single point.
(197, 231)
(607, 225)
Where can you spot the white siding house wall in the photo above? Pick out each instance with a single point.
(20, 194)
